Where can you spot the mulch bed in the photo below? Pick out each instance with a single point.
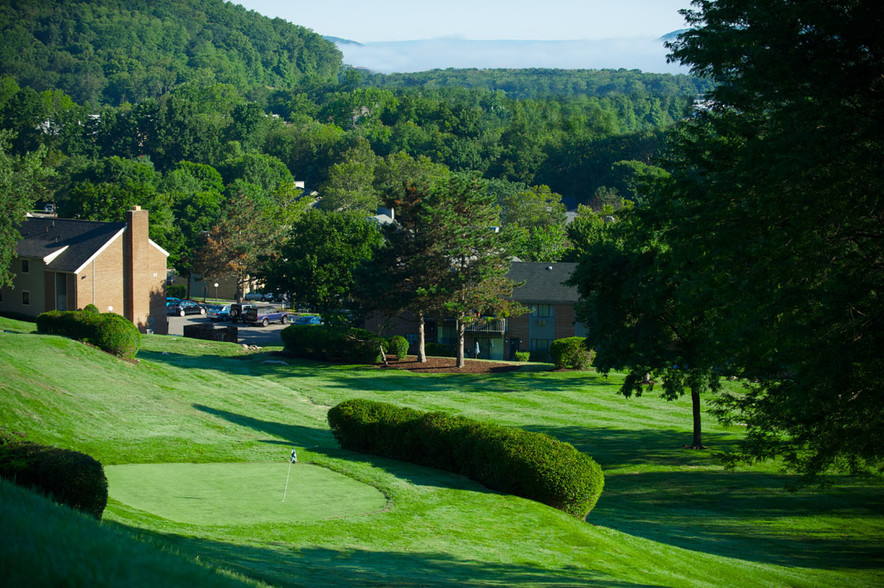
(447, 365)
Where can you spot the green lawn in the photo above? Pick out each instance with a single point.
(667, 516)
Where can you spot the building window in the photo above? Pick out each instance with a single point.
(26, 297)
(25, 266)
(543, 310)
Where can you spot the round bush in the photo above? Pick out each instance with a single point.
(115, 334)
(399, 346)
(68, 477)
(109, 331)
(571, 353)
(522, 356)
(531, 465)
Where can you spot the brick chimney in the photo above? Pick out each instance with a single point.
(136, 268)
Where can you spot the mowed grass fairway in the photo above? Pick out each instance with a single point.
(201, 409)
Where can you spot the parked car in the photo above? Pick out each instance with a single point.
(237, 311)
(218, 312)
(308, 320)
(184, 307)
(170, 300)
(264, 315)
(265, 297)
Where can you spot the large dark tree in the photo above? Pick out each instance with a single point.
(773, 218)
(635, 307)
(476, 286)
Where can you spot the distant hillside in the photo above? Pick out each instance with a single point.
(548, 83)
(115, 51)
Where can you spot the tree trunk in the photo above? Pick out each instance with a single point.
(461, 329)
(421, 339)
(698, 432)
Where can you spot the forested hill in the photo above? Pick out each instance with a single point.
(116, 51)
(535, 83)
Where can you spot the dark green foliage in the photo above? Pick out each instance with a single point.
(176, 291)
(318, 259)
(21, 182)
(530, 465)
(109, 51)
(772, 223)
(440, 350)
(68, 477)
(398, 346)
(91, 309)
(329, 343)
(530, 83)
(571, 353)
(109, 331)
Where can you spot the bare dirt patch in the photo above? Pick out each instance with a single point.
(447, 365)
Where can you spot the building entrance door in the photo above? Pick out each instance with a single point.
(61, 291)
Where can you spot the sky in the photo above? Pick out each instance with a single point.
(534, 20)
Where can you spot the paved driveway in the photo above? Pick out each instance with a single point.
(260, 336)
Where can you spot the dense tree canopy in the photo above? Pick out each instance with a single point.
(21, 181)
(113, 52)
(318, 257)
(201, 111)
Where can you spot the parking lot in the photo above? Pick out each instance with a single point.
(250, 335)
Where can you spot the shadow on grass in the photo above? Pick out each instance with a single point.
(322, 442)
(615, 448)
(745, 515)
(319, 566)
(307, 437)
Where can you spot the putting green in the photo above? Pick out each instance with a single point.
(240, 493)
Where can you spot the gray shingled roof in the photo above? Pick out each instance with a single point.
(43, 236)
(543, 282)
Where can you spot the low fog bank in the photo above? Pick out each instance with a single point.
(648, 55)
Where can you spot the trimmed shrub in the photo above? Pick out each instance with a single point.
(176, 291)
(328, 343)
(91, 309)
(522, 355)
(108, 331)
(398, 346)
(571, 353)
(67, 477)
(439, 349)
(530, 465)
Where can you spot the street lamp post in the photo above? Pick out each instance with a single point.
(216, 291)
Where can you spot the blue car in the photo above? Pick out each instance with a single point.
(218, 312)
(308, 320)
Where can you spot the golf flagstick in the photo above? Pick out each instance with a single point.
(287, 482)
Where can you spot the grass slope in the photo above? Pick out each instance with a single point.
(667, 516)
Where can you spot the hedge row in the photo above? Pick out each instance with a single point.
(571, 353)
(530, 465)
(67, 477)
(108, 331)
(329, 343)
